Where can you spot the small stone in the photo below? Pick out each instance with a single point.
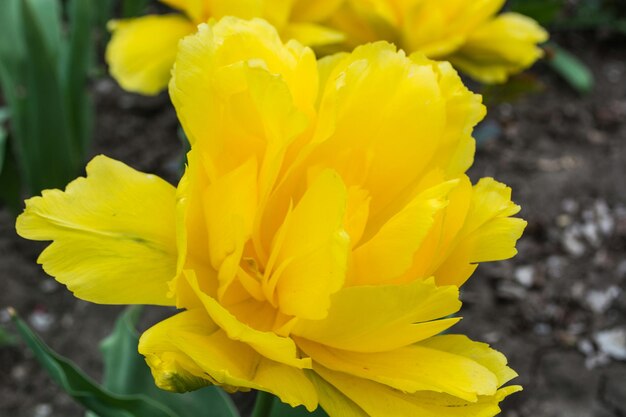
(612, 342)
(5, 317)
(41, 320)
(614, 72)
(67, 320)
(596, 360)
(586, 347)
(563, 220)
(576, 328)
(571, 241)
(492, 337)
(104, 86)
(525, 275)
(542, 329)
(600, 301)
(42, 410)
(604, 218)
(596, 137)
(570, 206)
(554, 266)
(19, 372)
(590, 231)
(48, 286)
(578, 290)
(511, 291)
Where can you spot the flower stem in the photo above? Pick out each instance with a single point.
(263, 404)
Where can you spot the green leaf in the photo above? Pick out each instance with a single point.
(4, 115)
(82, 388)
(543, 11)
(126, 372)
(43, 75)
(47, 14)
(80, 59)
(568, 66)
(47, 153)
(133, 8)
(280, 409)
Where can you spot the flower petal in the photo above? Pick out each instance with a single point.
(223, 102)
(309, 261)
(475, 227)
(189, 346)
(378, 400)
(480, 352)
(269, 344)
(311, 34)
(333, 401)
(488, 233)
(503, 46)
(375, 147)
(230, 205)
(142, 51)
(389, 253)
(410, 369)
(397, 316)
(113, 234)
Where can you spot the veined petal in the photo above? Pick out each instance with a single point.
(464, 110)
(397, 316)
(189, 346)
(378, 400)
(488, 233)
(241, 93)
(503, 46)
(191, 235)
(230, 205)
(410, 369)
(311, 34)
(389, 253)
(443, 234)
(113, 234)
(480, 352)
(142, 51)
(309, 261)
(333, 401)
(375, 147)
(269, 344)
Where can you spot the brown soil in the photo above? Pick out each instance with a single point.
(557, 310)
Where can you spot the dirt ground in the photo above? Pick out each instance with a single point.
(558, 310)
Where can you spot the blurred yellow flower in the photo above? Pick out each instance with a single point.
(142, 50)
(317, 239)
(469, 34)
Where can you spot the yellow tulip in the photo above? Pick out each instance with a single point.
(142, 50)
(317, 240)
(469, 34)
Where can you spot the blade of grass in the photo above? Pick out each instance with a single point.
(82, 388)
(46, 149)
(80, 59)
(572, 69)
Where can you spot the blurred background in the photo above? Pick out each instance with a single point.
(555, 134)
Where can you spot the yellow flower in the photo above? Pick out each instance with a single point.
(469, 34)
(142, 50)
(311, 241)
